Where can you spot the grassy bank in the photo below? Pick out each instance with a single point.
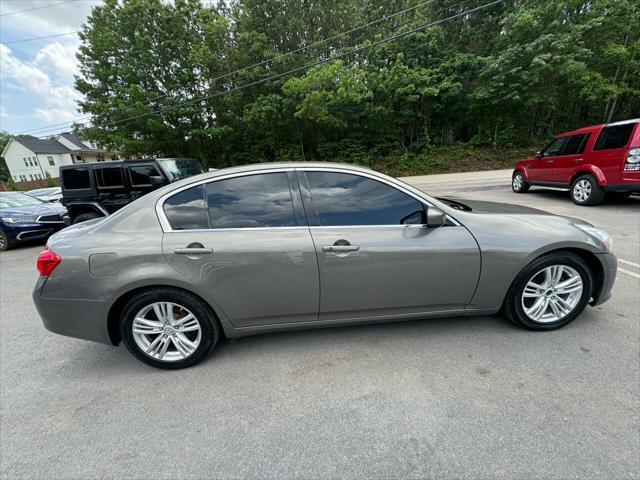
(453, 158)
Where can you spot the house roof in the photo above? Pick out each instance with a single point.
(78, 143)
(37, 145)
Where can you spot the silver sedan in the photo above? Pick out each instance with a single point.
(273, 247)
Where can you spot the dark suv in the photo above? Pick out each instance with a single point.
(96, 190)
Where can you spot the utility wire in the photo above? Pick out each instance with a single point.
(264, 62)
(37, 8)
(38, 38)
(307, 66)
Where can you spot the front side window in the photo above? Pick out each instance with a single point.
(262, 200)
(109, 178)
(554, 148)
(615, 136)
(140, 175)
(343, 199)
(76, 178)
(187, 210)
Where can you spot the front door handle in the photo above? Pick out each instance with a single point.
(194, 248)
(340, 248)
(192, 251)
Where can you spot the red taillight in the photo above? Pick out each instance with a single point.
(47, 261)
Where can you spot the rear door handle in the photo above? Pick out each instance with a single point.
(193, 251)
(549, 161)
(340, 248)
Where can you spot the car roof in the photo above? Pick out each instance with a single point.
(592, 128)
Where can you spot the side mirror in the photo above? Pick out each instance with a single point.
(435, 217)
(156, 181)
(538, 155)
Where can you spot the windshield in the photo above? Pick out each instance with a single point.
(10, 200)
(179, 168)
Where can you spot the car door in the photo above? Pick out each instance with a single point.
(571, 157)
(376, 257)
(541, 168)
(245, 242)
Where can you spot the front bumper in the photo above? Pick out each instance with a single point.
(30, 231)
(86, 319)
(609, 264)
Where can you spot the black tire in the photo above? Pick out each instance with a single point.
(518, 183)
(5, 244)
(209, 326)
(512, 307)
(593, 195)
(83, 217)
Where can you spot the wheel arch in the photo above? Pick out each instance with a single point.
(589, 257)
(115, 311)
(589, 170)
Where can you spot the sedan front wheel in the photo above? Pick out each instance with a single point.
(550, 292)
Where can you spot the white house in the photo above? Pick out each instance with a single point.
(30, 158)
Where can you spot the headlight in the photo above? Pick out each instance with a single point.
(605, 239)
(22, 219)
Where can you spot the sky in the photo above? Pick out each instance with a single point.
(36, 77)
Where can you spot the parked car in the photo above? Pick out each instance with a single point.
(274, 247)
(590, 161)
(24, 218)
(49, 194)
(95, 190)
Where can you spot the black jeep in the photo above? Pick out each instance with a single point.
(94, 190)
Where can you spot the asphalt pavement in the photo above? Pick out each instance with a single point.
(447, 398)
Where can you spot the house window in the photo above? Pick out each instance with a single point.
(35, 161)
(100, 157)
(79, 159)
(26, 164)
(114, 157)
(51, 161)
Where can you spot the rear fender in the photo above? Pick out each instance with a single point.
(590, 169)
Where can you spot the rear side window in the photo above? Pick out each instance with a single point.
(109, 177)
(575, 144)
(615, 136)
(343, 199)
(76, 179)
(140, 175)
(187, 210)
(262, 200)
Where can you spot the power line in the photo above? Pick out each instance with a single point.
(36, 8)
(38, 38)
(264, 62)
(307, 66)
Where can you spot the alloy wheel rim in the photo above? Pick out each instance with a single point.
(2, 240)
(552, 293)
(517, 182)
(166, 331)
(582, 190)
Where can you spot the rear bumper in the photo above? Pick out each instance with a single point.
(622, 187)
(86, 319)
(609, 264)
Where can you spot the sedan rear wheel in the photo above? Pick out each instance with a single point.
(168, 328)
(550, 292)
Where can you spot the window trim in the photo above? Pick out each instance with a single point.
(110, 167)
(166, 226)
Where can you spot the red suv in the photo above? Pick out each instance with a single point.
(590, 161)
